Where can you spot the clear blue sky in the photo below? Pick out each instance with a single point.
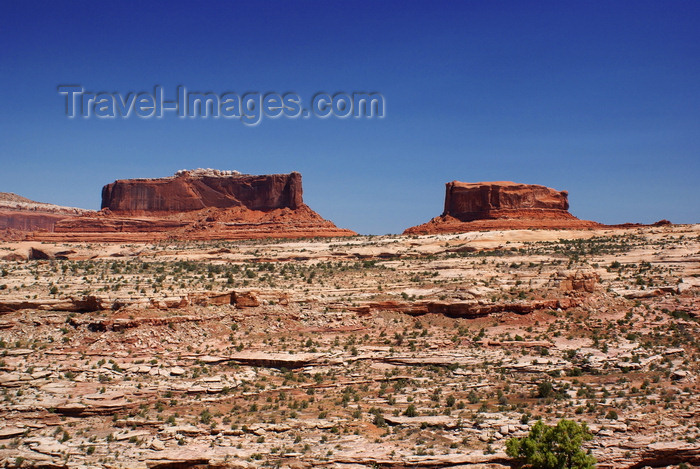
(599, 98)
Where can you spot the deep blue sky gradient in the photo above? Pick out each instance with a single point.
(599, 98)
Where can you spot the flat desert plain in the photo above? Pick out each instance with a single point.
(366, 351)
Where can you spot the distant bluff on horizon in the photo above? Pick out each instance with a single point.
(20, 214)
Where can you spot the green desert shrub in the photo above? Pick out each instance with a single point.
(553, 447)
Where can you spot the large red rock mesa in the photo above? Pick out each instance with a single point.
(501, 205)
(199, 204)
(199, 189)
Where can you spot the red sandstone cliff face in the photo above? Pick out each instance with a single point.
(501, 205)
(188, 191)
(485, 200)
(201, 205)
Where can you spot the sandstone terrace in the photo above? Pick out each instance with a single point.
(329, 351)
